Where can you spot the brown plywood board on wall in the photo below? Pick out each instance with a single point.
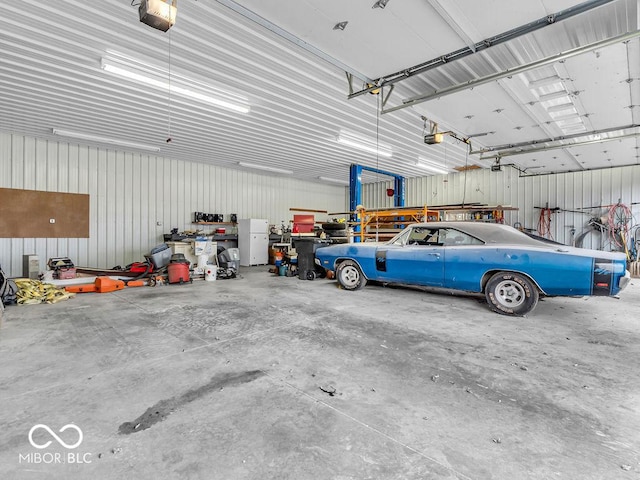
(29, 214)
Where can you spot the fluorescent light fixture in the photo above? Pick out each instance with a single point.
(431, 166)
(364, 145)
(112, 141)
(265, 167)
(180, 85)
(334, 180)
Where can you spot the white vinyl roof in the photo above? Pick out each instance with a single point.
(285, 62)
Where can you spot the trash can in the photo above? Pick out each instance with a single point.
(178, 272)
(306, 248)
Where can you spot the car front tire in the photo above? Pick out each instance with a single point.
(511, 294)
(349, 276)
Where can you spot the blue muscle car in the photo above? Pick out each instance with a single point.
(509, 267)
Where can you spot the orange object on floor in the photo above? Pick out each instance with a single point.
(84, 288)
(106, 285)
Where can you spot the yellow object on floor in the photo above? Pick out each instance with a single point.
(32, 292)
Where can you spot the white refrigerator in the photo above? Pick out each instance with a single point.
(253, 241)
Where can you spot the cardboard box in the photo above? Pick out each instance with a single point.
(66, 273)
(31, 266)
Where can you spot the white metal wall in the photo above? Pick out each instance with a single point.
(569, 191)
(135, 198)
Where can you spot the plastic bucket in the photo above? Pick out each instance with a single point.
(210, 272)
(282, 270)
(202, 261)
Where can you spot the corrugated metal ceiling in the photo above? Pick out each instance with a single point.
(51, 77)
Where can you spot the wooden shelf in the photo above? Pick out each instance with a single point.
(400, 217)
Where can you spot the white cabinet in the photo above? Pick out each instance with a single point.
(253, 241)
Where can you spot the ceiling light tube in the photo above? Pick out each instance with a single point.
(94, 138)
(265, 167)
(128, 71)
(334, 180)
(382, 150)
(431, 166)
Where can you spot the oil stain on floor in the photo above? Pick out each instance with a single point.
(164, 408)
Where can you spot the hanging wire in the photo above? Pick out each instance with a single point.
(169, 139)
(466, 169)
(377, 182)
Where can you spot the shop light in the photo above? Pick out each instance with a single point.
(334, 180)
(180, 85)
(364, 145)
(431, 166)
(96, 139)
(265, 167)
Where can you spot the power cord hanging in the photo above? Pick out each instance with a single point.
(169, 139)
(466, 169)
(378, 107)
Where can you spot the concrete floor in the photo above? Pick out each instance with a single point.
(265, 377)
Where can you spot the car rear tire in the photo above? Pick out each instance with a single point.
(349, 276)
(511, 294)
(337, 233)
(330, 226)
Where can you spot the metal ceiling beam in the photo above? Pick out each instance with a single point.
(555, 139)
(245, 12)
(510, 153)
(512, 71)
(483, 45)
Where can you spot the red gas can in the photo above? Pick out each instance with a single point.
(178, 272)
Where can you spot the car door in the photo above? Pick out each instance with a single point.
(415, 257)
